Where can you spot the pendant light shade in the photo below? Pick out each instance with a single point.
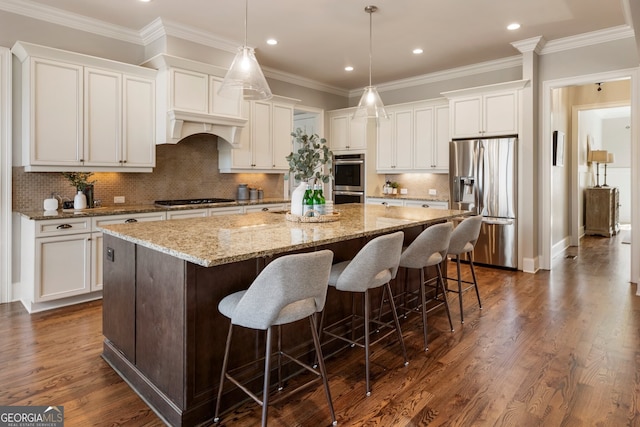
(370, 105)
(245, 74)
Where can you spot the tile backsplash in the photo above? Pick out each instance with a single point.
(188, 169)
(419, 184)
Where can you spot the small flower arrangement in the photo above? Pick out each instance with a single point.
(79, 180)
(308, 161)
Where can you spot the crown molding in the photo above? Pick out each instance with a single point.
(162, 27)
(71, 20)
(534, 44)
(453, 73)
(302, 81)
(588, 39)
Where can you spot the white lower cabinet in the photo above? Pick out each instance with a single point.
(227, 210)
(408, 203)
(61, 259)
(189, 213)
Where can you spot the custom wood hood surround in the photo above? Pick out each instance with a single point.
(188, 102)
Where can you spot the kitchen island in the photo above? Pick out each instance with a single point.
(163, 281)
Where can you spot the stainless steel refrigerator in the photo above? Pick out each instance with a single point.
(483, 179)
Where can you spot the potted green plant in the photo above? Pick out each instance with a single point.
(311, 161)
(82, 184)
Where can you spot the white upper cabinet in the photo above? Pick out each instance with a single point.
(188, 101)
(485, 111)
(266, 142)
(82, 113)
(346, 134)
(415, 138)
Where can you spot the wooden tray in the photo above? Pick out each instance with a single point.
(320, 218)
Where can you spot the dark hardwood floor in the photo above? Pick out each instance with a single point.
(559, 348)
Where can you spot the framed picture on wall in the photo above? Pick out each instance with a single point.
(558, 148)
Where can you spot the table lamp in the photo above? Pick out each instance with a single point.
(598, 156)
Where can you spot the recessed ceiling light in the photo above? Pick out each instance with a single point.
(349, 68)
(272, 42)
(513, 26)
(145, 1)
(417, 51)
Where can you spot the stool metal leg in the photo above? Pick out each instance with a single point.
(267, 371)
(395, 318)
(366, 340)
(459, 288)
(440, 280)
(321, 366)
(223, 375)
(423, 299)
(475, 282)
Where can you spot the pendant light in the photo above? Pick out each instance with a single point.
(370, 105)
(245, 73)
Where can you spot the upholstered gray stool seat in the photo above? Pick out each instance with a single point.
(427, 250)
(463, 241)
(288, 289)
(372, 267)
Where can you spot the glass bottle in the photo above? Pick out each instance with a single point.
(319, 200)
(307, 201)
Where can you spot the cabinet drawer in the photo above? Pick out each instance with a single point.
(264, 208)
(427, 204)
(61, 227)
(123, 219)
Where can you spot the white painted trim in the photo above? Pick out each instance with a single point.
(560, 247)
(530, 265)
(588, 39)
(546, 153)
(6, 291)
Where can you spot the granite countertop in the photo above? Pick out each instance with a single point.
(230, 238)
(134, 209)
(408, 197)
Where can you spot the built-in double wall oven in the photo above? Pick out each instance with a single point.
(348, 178)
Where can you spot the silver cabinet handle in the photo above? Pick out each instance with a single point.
(265, 209)
(64, 226)
(130, 220)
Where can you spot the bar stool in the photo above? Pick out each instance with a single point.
(288, 289)
(372, 267)
(429, 249)
(463, 241)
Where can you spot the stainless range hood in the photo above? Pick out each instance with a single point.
(187, 102)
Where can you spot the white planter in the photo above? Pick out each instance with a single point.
(296, 198)
(80, 201)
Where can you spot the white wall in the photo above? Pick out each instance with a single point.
(616, 139)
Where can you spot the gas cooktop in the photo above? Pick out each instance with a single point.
(191, 202)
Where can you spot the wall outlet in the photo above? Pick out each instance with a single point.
(118, 199)
(433, 192)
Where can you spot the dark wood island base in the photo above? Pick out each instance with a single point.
(163, 332)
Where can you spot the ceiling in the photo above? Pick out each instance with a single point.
(317, 39)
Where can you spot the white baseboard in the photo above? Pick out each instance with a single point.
(35, 307)
(560, 247)
(531, 265)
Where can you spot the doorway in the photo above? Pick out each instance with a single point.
(546, 152)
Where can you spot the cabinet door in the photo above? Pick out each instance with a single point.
(466, 117)
(62, 266)
(440, 157)
(339, 132)
(138, 141)
(385, 145)
(190, 91)
(357, 134)
(261, 135)
(56, 111)
(225, 105)
(282, 142)
(500, 114)
(424, 138)
(403, 138)
(102, 117)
